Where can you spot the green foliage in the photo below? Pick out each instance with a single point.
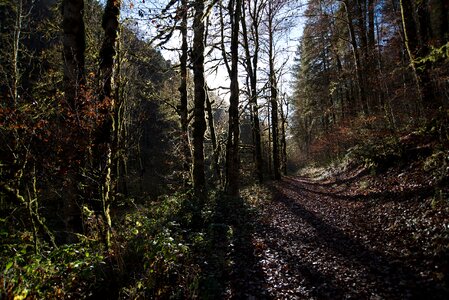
(167, 254)
(438, 164)
(75, 271)
(377, 155)
(435, 55)
(150, 257)
(427, 148)
(158, 250)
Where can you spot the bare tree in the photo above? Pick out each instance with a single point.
(255, 12)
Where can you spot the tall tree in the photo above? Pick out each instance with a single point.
(15, 53)
(232, 146)
(74, 58)
(425, 26)
(255, 9)
(273, 91)
(356, 56)
(199, 121)
(183, 105)
(108, 53)
(284, 115)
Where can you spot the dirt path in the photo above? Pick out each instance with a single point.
(313, 242)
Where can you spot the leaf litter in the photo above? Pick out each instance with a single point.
(350, 236)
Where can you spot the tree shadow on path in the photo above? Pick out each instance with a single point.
(385, 276)
(230, 268)
(311, 186)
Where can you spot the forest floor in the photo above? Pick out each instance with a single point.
(348, 235)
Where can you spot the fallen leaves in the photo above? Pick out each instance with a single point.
(359, 237)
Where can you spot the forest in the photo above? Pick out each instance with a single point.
(184, 149)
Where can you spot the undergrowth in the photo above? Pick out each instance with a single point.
(164, 249)
(70, 271)
(426, 148)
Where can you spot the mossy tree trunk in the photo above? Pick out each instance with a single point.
(108, 54)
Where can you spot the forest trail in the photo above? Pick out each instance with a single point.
(314, 242)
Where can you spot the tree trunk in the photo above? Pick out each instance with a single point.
(273, 98)
(283, 137)
(371, 35)
(74, 46)
(439, 21)
(213, 137)
(199, 122)
(232, 146)
(15, 54)
(269, 148)
(358, 65)
(183, 107)
(425, 41)
(251, 67)
(411, 42)
(108, 53)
